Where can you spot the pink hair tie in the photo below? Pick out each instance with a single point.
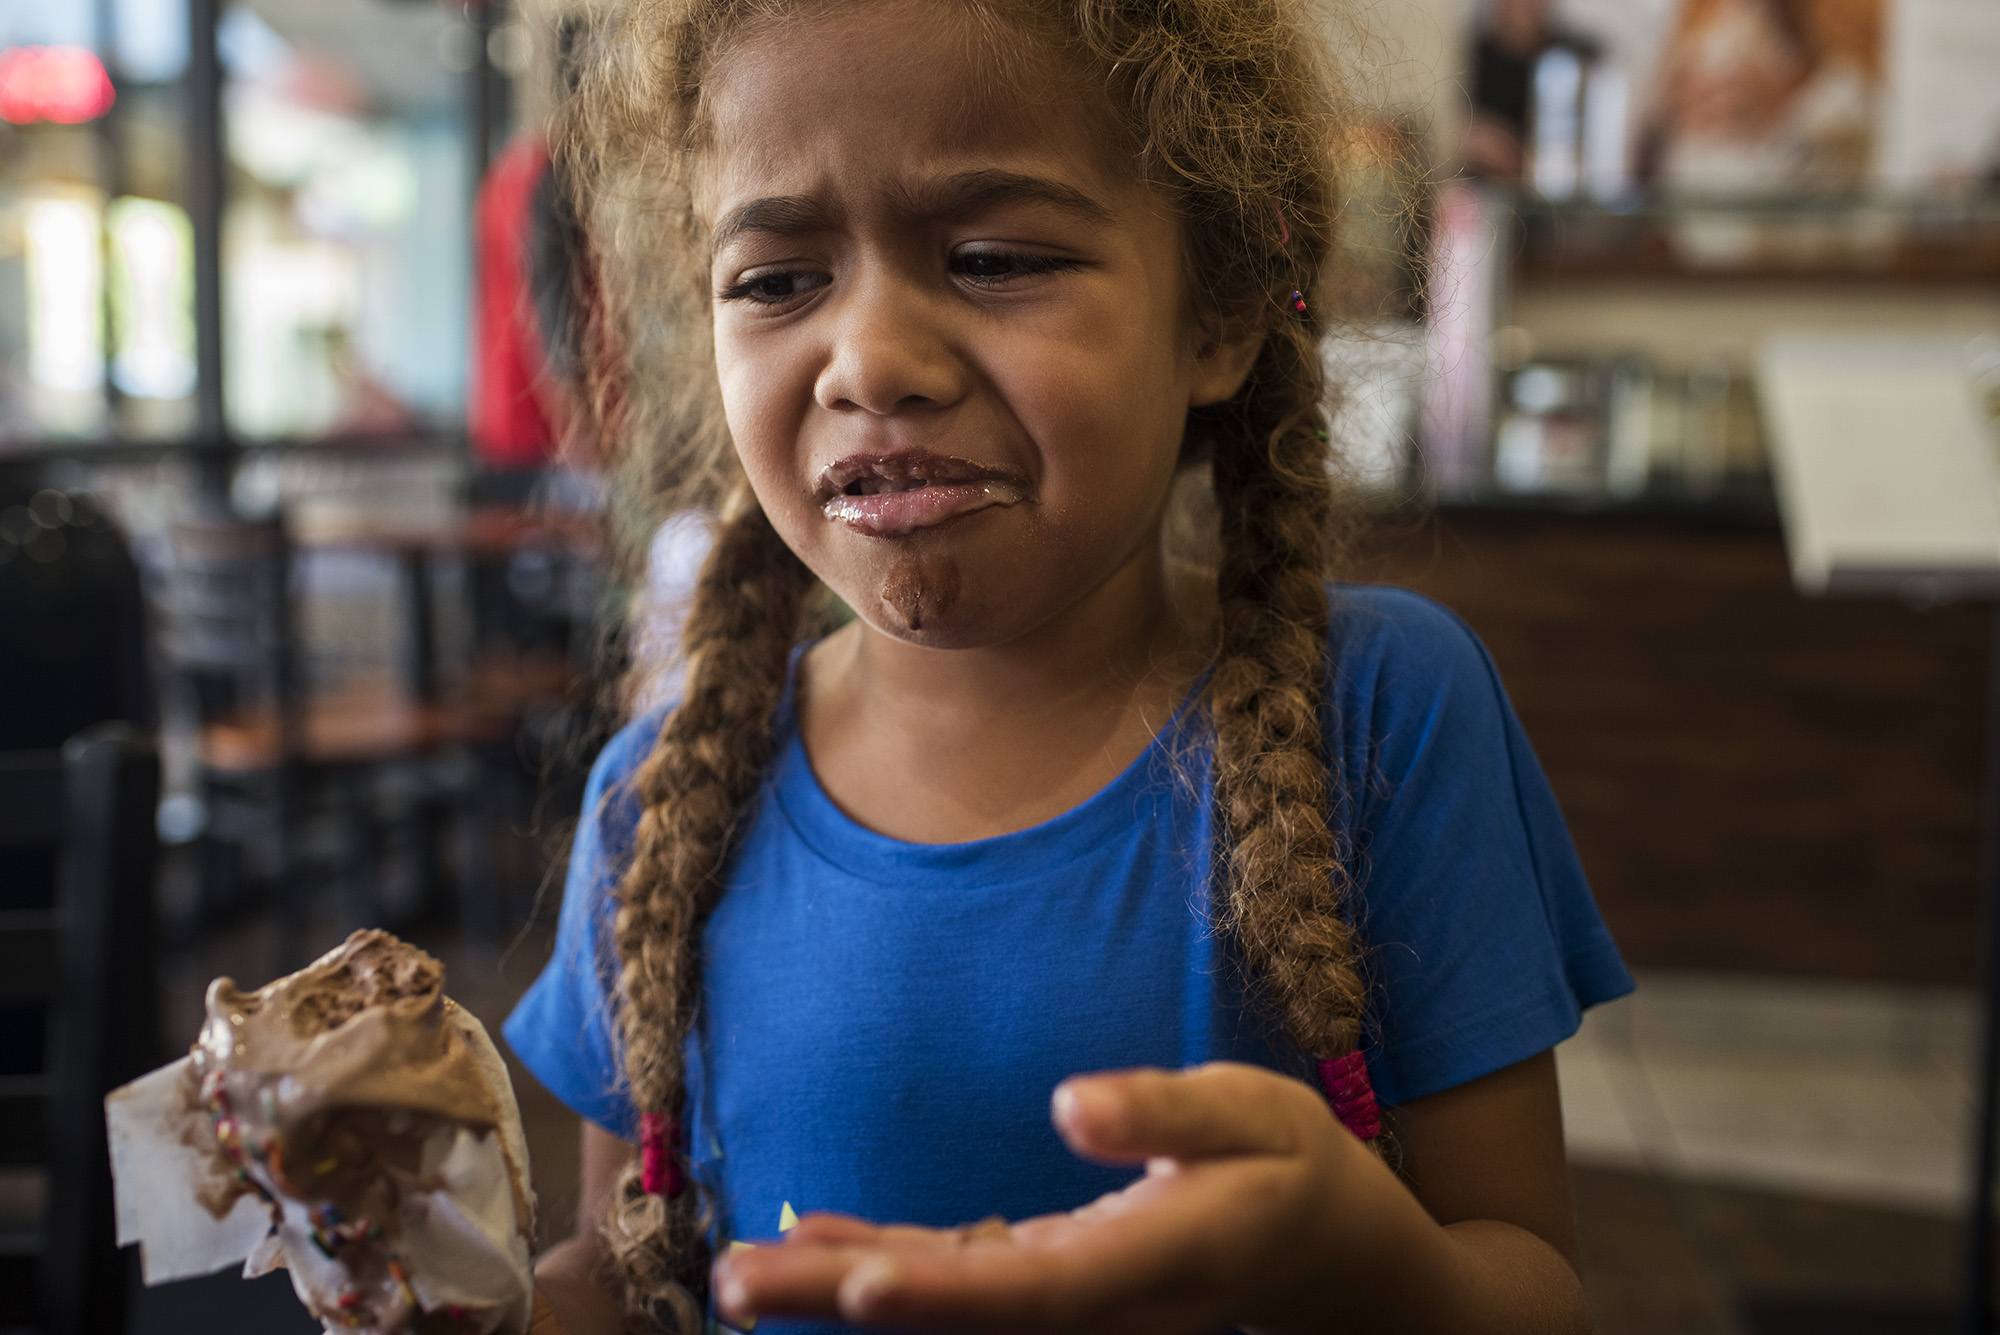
(659, 1175)
(1348, 1089)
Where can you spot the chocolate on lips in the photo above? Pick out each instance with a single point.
(889, 495)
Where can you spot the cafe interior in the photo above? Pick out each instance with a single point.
(312, 616)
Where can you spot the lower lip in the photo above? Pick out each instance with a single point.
(891, 514)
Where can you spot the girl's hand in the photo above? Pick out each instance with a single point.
(1257, 1209)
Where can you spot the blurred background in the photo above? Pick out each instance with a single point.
(299, 526)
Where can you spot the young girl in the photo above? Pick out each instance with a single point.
(1060, 889)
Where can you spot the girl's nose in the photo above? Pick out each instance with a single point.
(890, 352)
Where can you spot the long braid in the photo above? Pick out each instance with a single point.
(1287, 882)
(696, 785)
(1233, 110)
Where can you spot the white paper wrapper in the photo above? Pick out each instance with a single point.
(155, 1160)
(452, 1249)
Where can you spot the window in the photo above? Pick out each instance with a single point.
(343, 275)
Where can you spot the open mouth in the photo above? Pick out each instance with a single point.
(876, 485)
(890, 495)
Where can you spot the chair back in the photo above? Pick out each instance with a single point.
(83, 971)
(72, 622)
(227, 615)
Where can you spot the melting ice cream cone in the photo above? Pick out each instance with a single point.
(350, 1123)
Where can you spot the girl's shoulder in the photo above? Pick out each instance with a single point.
(616, 765)
(1392, 650)
(1485, 945)
(1388, 621)
(611, 803)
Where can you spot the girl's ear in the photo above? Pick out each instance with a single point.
(1221, 364)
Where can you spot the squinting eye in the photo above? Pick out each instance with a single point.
(775, 288)
(995, 266)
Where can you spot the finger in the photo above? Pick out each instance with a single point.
(1205, 1112)
(1138, 1259)
(847, 1231)
(798, 1276)
(752, 1282)
(805, 1277)
(984, 1287)
(1006, 1287)
(833, 1229)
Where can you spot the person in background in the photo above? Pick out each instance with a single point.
(522, 398)
(1511, 38)
(529, 311)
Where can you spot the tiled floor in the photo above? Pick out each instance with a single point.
(1837, 1091)
(1668, 1257)
(1760, 1156)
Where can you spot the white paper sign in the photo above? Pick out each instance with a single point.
(1942, 122)
(1885, 464)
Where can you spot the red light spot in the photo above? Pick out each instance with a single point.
(64, 84)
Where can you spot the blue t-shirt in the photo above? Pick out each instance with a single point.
(882, 1022)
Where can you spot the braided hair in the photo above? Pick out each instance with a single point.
(1229, 111)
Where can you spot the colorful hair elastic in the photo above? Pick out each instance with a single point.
(1298, 301)
(1348, 1089)
(659, 1175)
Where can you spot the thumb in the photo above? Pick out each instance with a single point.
(1205, 1112)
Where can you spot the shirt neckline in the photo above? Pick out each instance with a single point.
(1167, 770)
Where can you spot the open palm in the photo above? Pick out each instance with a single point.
(1250, 1187)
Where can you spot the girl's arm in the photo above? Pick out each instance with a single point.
(1258, 1210)
(577, 1281)
(1493, 1150)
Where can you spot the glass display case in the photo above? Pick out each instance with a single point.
(1586, 357)
(1651, 192)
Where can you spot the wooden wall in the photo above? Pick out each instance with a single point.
(1755, 780)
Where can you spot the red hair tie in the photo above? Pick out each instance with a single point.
(1348, 1089)
(659, 1175)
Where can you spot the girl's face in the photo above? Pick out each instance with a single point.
(950, 323)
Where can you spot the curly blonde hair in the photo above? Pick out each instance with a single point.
(1228, 110)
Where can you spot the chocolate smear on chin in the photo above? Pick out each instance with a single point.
(920, 591)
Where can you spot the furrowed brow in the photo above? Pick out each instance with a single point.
(780, 215)
(969, 194)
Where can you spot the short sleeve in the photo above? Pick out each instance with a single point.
(563, 1030)
(1484, 945)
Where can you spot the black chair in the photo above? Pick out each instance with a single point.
(227, 650)
(378, 764)
(85, 967)
(72, 620)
